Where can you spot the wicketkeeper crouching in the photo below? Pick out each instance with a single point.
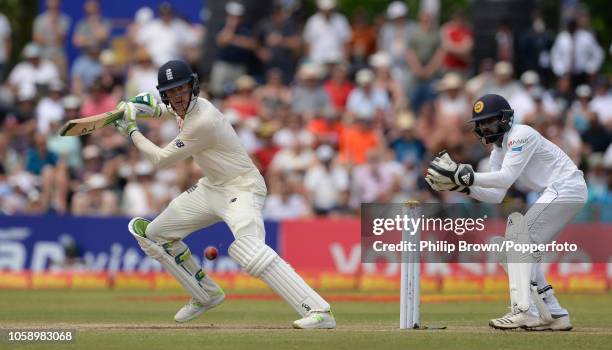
(232, 191)
(520, 154)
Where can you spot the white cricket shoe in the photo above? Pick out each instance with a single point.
(194, 308)
(559, 323)
(316, 320)
(514, 320)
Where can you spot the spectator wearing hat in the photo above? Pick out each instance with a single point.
(296, 153)
(579, 115)
(368, 100)
(326, 182)
(167, 37)
(264, 155)
(531, 81)
(273, 95)
(407, 147)
(94, 198)
(50, 30)
(22, 121)
(279, 42)
(505, 85)
(93, 30)
(327, 35)
(393, 39)
(452, 107)
(381, 63)
(309, 99)
(113, 74)
(338, 86)
(457, 42)
(20, 194)
(139, 195)
(6, 44)
(237, 45)
(68, 148)
(93, 162)
(424, 56)
(32, 73)
(142, 75)
(243, 101)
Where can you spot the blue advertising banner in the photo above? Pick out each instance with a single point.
(40, 243)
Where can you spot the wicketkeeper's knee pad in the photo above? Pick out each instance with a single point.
(261, 261)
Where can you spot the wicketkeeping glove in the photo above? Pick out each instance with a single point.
(443, 170)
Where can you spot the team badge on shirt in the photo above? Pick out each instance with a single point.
(179, 144)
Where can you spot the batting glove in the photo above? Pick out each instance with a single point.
(126, 125)
(146, 106)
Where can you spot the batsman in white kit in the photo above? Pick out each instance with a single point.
(232, 191)
(520, 154)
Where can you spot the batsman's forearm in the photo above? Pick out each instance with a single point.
(149, 149)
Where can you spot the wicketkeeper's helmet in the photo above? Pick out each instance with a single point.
(492, 106)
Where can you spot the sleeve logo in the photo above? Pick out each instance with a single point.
(179, 144)
(517, 142)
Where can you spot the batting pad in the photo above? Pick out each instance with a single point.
(261, 261)
(182, 266)
(519, 264)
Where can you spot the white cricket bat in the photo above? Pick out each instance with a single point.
(87, 125)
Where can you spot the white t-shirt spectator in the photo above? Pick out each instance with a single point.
(602, 105)
(327, 39)
(581, 49)
(25, 76)
(5, 33)
(289, 159)
(48, 111)
(326, 185)
(295, 206)
(367, 104)
(166, 41)
(141, 199)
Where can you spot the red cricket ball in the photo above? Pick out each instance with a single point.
(211, 253)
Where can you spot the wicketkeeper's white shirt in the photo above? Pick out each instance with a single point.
(528, 158)
(210, 139)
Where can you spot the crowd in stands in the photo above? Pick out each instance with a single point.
(334, 111)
